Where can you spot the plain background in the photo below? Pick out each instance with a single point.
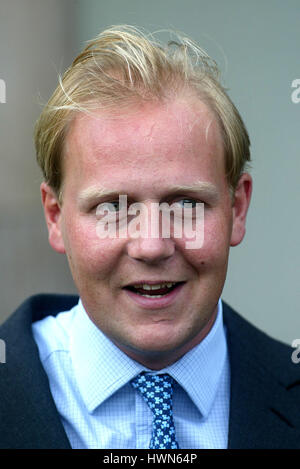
(256, 44)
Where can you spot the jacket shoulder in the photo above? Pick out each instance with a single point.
(28, 415)
(270, 354)
(33, 309)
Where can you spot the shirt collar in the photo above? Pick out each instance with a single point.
(101, 368)
(199, 370)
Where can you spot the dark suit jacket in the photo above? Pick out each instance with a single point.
(265, 385)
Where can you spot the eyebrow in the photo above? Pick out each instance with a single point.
(204, 188)
(94, 193)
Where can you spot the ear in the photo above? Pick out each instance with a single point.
(240, 207)
(52, 210)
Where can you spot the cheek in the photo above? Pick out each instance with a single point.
(215, 248)
(87, 253)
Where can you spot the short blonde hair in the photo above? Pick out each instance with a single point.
(123, 66)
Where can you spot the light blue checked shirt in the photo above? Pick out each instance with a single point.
(89, 380)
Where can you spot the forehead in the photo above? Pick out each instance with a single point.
(152, 134)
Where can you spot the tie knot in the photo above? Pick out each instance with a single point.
(157, 390)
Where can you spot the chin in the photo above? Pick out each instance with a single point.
(161, 345)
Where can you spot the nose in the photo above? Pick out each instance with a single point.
(149, 245)
(150, 250)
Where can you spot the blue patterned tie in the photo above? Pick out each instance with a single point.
(157, 391)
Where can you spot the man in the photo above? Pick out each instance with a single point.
(149, 356)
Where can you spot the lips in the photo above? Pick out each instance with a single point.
(149, 289)
(154, 294)
(156, 290)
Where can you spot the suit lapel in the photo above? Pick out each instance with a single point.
(30, 404)
(26, 405)
(262, 413)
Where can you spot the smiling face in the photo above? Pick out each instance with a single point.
(146, 155)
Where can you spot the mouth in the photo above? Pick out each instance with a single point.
(153, 289)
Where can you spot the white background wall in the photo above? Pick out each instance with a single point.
(256, 44)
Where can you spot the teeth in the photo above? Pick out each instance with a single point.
(152, 296)
(155, 287)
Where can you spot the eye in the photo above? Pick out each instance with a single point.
(187, 208)
(113, 206)
(187, 203)
(107, 209)
(111, 212)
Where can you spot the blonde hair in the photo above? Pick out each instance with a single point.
(123, 66)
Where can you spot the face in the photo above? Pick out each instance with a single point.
(146, 155)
